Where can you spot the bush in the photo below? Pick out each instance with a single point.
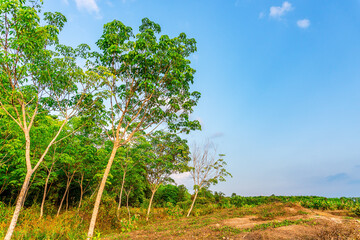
(225, 203)
(174, 211)
(185, 204)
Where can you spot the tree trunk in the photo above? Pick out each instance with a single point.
(30, 170)
(127, 202)
(45, 192)
(24, 188)
(67, 201)
(81, 190)
(66, 191)
(121, 190)
(96, 189)
(151, 199)
(192, 205)
(100, 192)
(3, 187)
(27, 190)
(19, 205)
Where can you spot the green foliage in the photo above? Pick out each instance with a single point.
(312, 202)
(167, 194)
(174, 211)
(274, 224)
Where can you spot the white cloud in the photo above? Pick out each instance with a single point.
(261, 15)
(277, 12)
(89, 5)
(66, 2)
(303, 23)
(181, 178)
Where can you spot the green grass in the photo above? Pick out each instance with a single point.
(264, 226)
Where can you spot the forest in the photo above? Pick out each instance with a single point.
(72, 135)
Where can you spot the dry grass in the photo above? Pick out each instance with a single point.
(270, 221)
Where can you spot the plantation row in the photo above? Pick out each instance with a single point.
(70, 132)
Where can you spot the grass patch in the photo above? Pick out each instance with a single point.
(263, 226)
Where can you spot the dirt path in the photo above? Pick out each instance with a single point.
(316, 225)
(279, 221)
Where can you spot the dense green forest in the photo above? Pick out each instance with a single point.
(73, 134)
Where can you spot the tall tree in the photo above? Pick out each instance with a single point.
(125, 161)
(148, 84)
(167, 154)
(35, 79)
(206, 168)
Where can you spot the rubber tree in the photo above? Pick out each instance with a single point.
(37, 76)
(206, 168)
(148, 85)
(46, 190)
(125, 161)
(167, 154)
(11, 151)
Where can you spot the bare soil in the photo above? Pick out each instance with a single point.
(255, 223)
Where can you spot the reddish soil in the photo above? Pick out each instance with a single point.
(237, 224)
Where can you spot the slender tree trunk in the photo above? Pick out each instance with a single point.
(30, 171)
(81, 190)
(149, 207)
(100, 192)
(3, 187)
(121, 190)
(96, 189)
(27, 190)
(62, 200)
(24, 188)
(66, 191)
(193, 202)
(127, 202)
(45, 191)
(18, 206)
(67, 200)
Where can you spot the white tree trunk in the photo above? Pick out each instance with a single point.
(24, 188)
(100, 192)
(192, 205)
(127, 203)
(149, 208)
(69, 180)
(81, 190)
(45, 191)
(122, 187)
(18, 206)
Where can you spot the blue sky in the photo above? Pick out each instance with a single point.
(279, 80)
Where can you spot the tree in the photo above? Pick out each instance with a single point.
(206, 169)
(148, 84)
(37, 76)
(167, 154)
(49, 170)
(127, 159)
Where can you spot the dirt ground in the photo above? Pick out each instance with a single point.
(277, 221)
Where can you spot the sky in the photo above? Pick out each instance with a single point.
(279, 81)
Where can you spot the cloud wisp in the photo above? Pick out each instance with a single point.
(88, 5)
(338, 177)
(279, 11)
(261, 15)
(303, 23)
